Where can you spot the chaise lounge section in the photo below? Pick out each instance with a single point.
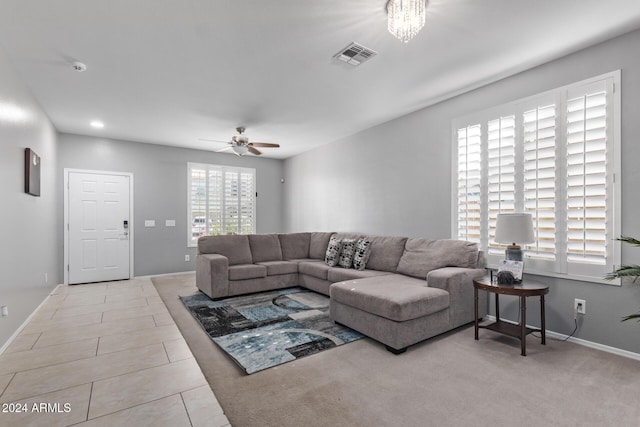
(410, 290)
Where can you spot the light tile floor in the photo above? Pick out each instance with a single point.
(105, 354)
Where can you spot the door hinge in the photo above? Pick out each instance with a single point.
(67, 267)
(256, 194)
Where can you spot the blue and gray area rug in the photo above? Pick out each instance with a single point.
(263, 330)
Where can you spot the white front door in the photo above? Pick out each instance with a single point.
(98, 227)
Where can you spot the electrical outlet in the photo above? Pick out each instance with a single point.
(187, 257)
(579, 306)
(4, 311)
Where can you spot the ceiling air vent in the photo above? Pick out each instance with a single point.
(355, 54)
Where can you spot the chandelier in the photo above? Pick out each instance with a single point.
(406, 18)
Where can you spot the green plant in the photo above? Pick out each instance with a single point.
(627, 271)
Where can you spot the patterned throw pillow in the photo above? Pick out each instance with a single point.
(363, 250)
(333, 252)
(348, 250)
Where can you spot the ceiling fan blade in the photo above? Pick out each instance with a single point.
(213, 140)
(264, 144)
(254, 151)
(224, 149)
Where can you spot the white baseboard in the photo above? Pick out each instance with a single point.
(580, 341)
(24, 324)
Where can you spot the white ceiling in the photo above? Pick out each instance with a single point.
(172, 71)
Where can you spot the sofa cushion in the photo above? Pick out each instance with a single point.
(386, 253)
(299, 260)
(247, 271)
(332, 256)
(318, 244)
(280, 267)
(314, 268)
(265, 247)
(347, 253)
(363, 251)
(340, 274)
(424, 255)
(294, 245)
(395, 297)
(235, 247)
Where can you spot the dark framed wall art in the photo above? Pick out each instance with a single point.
(31, 172)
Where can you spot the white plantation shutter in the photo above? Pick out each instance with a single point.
(539, 167)
(587, 177)
(555, 156)
(500, 173)
(222, 200)
(215, 217)
(247, 202)
(231, 203)
(198, 199)
(469, 164)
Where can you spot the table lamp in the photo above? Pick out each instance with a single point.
(514, 228)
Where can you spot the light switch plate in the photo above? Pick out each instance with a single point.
(170, 223)
(149, 222)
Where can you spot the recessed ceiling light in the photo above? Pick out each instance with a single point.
(97, 124)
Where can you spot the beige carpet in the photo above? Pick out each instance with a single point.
(451, 380)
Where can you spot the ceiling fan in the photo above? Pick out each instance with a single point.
(240, 144)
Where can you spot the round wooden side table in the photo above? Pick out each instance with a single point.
(528, 288)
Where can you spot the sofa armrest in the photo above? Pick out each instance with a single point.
(212, 275)
(459, 283)
(452, 278)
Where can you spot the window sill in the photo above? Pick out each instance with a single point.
(590, 279)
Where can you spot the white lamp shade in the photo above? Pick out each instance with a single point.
(514, 228)
(240, 150)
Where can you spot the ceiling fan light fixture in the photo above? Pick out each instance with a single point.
(240, 144)
(240, 139)
(240, 150)
(406, 18)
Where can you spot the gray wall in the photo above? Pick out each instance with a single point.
(396, 179)
(28, 224)
(160, 193)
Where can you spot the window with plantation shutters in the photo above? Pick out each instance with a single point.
(539, 178)
(222, 200)
(468, 194)
(247, 197)
(214, 207)
(554, 155)
(587, 176)
(501, 187)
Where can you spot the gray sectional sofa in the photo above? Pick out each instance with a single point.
(410, 290)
